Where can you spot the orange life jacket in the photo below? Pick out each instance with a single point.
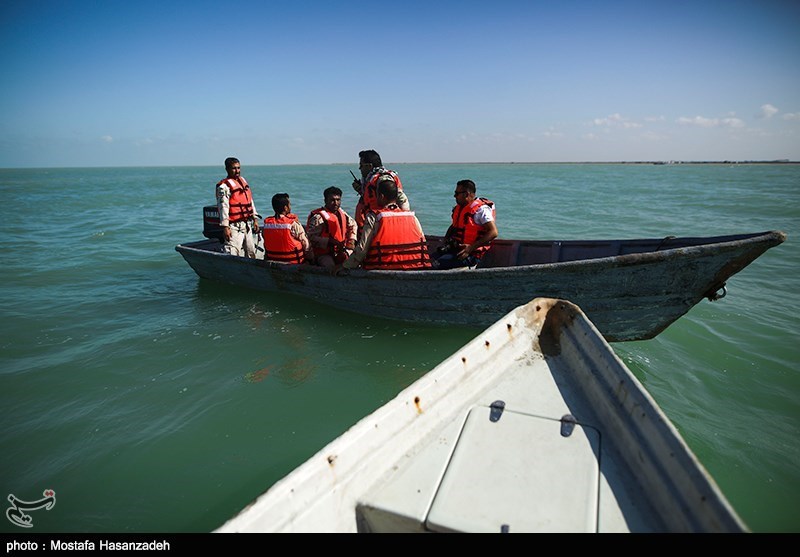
(464, 229)
(241, 202)
(369, 196)
(279, 244)
(398, 242)
(335, 228)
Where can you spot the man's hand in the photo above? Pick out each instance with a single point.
(226, 231)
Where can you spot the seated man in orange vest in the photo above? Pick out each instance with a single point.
(391, 238)
(472, 230)
(284, 237)
(331, 231)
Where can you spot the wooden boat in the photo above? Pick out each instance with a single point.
(630, 289)
(534, 426)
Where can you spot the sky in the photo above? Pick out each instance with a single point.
(174, 83)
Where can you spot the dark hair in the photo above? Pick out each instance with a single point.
(229, 162)
(371, 157)
(468, 185)
(387, 188)
(279, 202)
(333, 190)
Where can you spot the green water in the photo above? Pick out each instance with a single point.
(152, 401)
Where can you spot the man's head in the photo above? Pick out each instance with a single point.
(281, 204)
(333, 198)
(465, 192)
(368, 161)
(233, 167)
(386, 191)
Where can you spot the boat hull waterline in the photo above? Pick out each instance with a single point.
(630, 289)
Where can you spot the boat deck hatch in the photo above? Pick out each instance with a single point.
(519, 473)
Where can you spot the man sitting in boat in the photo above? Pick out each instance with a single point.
(391, 237)
(372, 170)
(284, 237)
(473, 229)
(331, 231)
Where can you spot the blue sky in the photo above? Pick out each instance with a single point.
(121, 83)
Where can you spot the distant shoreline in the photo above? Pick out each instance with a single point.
(392, 163)
(655, 163)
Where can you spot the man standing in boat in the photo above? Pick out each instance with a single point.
(331, 231)
(472, 231)
(391, 239)
(237, 211)
(372, 169)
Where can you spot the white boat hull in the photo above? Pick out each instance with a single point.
(578, 446)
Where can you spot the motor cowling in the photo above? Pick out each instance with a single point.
(211, 228)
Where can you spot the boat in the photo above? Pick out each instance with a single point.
(630, 289)
(533, 426)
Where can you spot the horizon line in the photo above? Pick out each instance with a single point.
(651, 162)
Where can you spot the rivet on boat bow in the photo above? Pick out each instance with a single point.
(568, 422)
(496, 410)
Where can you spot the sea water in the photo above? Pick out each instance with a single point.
(150, 400)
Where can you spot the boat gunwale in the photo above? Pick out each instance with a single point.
(769, 238)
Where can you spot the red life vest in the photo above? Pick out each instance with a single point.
(335, 228)
(398, 242)
(279, 244)
(464, 229)
(241, 201)
(369, 197)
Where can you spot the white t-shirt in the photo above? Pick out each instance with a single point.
(483, 215)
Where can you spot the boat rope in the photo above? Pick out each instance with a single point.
(716, 293)
(664, 241)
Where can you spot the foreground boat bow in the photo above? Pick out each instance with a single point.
(534, 426)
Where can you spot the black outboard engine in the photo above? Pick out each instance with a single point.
(211, 228)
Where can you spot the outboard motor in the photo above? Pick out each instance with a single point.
(211, 228)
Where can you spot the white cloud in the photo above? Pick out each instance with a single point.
(107, 139)
(732, 123)
(653, 136)
(464, 138)
(654, 119)
(704, 122)
(792, 116)
(493, 138)
(616, 120)
(552, 132)
(698, 121)
(767, 111)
